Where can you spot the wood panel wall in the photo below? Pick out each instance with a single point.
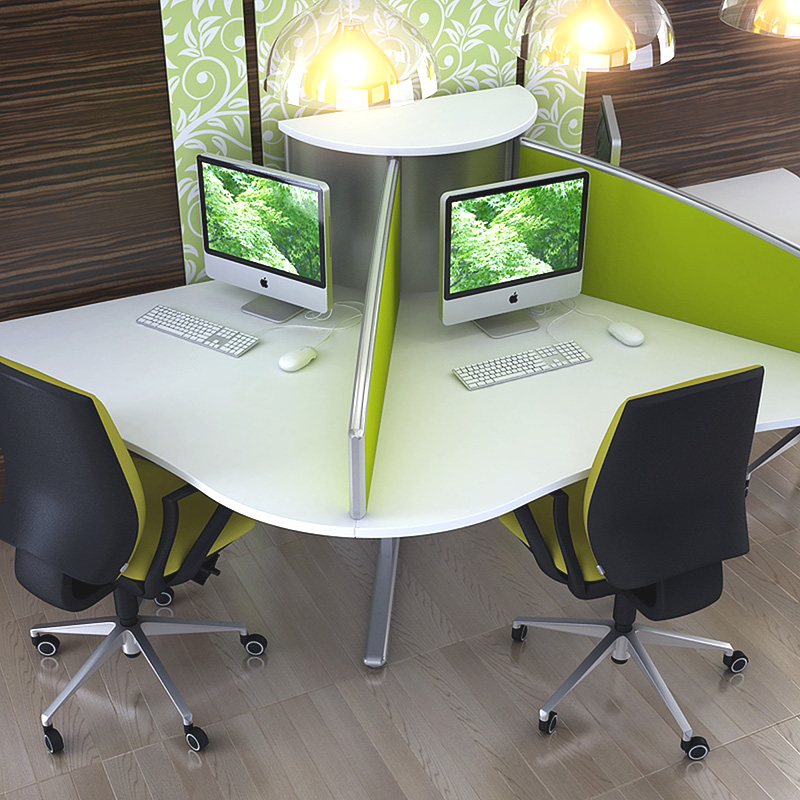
(726, 105)
(88, 203)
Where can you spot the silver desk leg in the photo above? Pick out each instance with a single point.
(382, 597)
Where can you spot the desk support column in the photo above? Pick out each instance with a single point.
(380, 613)
(783, 444)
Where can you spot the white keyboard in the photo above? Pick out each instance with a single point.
(521, 365)
(198, 330)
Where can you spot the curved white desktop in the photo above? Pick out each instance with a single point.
(273, 445)
(448, 457)
(269, 444)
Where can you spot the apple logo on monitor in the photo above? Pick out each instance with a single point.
(513, 298)
(264, 283)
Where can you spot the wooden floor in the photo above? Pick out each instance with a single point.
(452, 716)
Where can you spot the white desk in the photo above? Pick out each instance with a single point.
(274, 446)
(770, 200)
(268, 444)
(448, 457)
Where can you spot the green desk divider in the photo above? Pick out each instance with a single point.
(652, 247)
(381, 304)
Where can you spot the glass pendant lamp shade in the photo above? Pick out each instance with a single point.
(771, 17)
(350, 54)
(595, 35)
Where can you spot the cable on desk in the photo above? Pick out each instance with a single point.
(354, 319)
(572, 308)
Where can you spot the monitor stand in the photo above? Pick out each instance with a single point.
(270, 309)
(508, 324)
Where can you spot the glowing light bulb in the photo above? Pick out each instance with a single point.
(351, 71)
(778, 17)
(590, 34)
(593, 37)
(350, 68)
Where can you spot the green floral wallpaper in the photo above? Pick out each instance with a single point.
(206, 73)
(207, 80)
(470, 39)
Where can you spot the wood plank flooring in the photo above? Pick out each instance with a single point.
(452, 716)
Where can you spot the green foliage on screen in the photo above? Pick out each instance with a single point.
(263, 220)
(516, 234)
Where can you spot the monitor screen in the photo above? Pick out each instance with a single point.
(512, 245)
(266, 230)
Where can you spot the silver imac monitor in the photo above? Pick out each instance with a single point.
(509, 246)
(608, 139)
(267, 231)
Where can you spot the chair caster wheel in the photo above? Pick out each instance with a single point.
(548, 725)
(696, 748)
(519, 634)
(52, 740)
(165, 597)
(195, 737)
(736, 662)
(254, 643)
(46, 643)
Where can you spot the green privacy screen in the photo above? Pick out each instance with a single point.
(647, 248)
(384, 339)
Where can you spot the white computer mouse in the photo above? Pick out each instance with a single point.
(297, 359)
(626, 333)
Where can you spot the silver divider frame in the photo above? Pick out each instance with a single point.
(662, 188)
(386, 566)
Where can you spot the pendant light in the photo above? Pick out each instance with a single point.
(771, 17)
(595, 35)
(352, 55)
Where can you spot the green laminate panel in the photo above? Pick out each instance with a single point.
(651, 250)
(384, 339)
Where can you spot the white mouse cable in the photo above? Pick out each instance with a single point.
(320, 315)
(574, 307)
(355, 320)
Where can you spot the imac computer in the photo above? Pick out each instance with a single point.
(267, 231)
(608, 139)
(510, 246)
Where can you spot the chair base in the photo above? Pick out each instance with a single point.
(133, 639)
(620, 645)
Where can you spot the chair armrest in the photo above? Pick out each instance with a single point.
(575, 581)
(156, 581)
(536, 544)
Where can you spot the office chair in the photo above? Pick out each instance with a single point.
(88, 520)
(663, 506)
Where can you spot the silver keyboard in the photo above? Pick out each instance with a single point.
(198, 330)
(521, 365)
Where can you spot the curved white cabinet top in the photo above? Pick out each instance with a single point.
(451, 123)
